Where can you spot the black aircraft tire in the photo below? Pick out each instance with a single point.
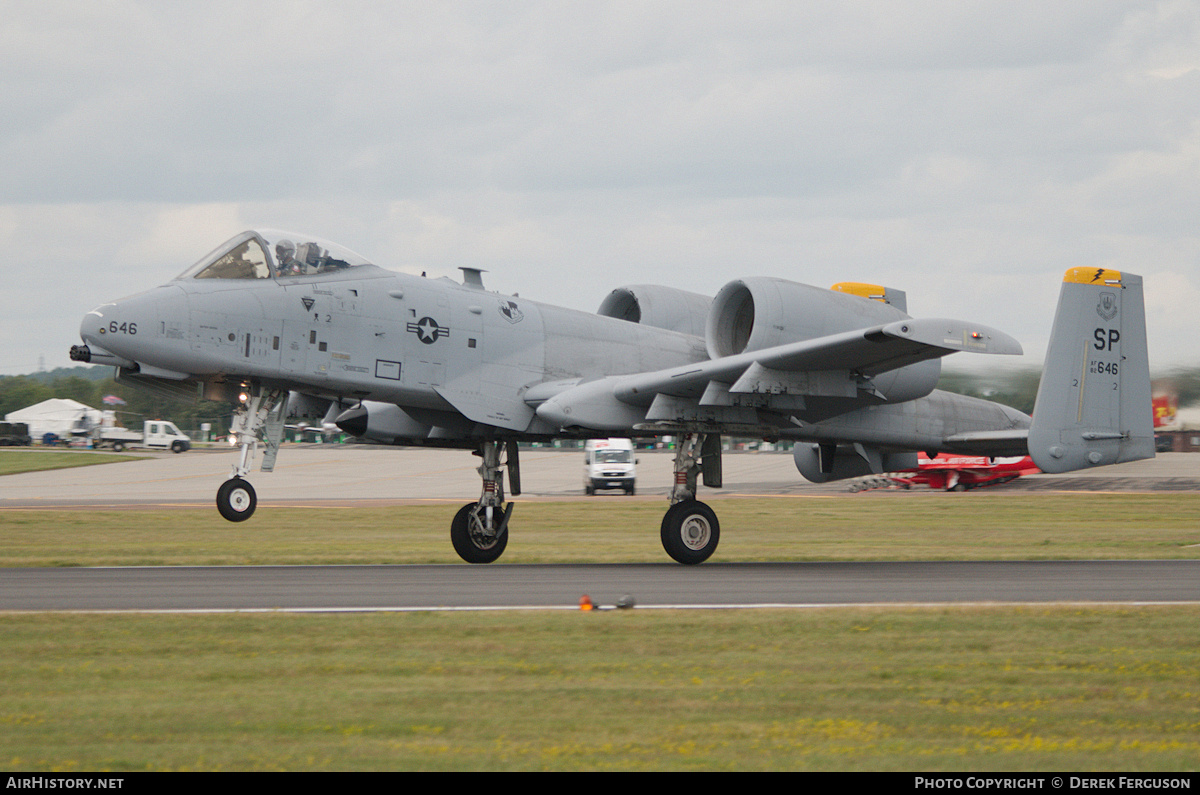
(690, 532)
(236, 500)
(466, 546)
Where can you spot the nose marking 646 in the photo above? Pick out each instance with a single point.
(118, 328)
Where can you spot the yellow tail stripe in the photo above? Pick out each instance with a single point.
(1097, 276)
(874, 291)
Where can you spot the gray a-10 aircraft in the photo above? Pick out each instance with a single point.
(279, 323)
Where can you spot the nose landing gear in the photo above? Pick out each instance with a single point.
(259, 417)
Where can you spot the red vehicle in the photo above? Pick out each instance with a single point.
(954, 472)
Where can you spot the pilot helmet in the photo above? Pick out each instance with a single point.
(285, 247)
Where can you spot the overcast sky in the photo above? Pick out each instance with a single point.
(965, 152)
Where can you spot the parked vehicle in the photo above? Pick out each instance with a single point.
(609, 464)
(155, 434)
(14, 434)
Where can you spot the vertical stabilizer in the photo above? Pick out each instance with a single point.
(1093, 404)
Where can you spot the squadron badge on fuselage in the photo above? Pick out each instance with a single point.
(510, 311)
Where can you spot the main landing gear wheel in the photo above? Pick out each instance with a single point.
(690, 532)
(471, 540)
(236, 500)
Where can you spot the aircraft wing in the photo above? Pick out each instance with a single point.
(867, 352)
(714, 391)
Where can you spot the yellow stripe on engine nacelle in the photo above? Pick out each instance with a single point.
(873, 291)
(1100, 277)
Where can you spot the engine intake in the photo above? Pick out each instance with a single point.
(752, 314)
(661, 307)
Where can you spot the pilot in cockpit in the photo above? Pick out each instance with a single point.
(285, 259)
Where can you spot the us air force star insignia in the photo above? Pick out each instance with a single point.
(510, 311)
(428, 330)
(1107, 308)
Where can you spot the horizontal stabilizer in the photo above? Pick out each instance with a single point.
(1012, 442)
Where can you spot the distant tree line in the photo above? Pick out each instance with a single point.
(1185, 383)
(1019, 389)
(91, 384)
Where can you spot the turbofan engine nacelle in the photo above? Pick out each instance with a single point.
(381, 422)
(821, 463)
(752, 314)
(661, 307)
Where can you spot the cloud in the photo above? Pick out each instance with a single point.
(967, 153)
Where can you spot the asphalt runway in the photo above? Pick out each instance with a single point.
(339, 474)
(333, 474)
(329, 474)
(711, 585)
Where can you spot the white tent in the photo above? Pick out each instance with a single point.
(56, 415)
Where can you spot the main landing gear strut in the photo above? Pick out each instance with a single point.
(690, 530)
(258, 417)
(479, 531)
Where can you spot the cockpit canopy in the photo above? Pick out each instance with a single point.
(272, 253)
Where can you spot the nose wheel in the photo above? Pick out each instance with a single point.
(236, 500)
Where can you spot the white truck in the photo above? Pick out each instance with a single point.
(609, 464)
(155, 434)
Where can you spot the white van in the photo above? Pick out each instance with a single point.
(608, 464)
(158, 434)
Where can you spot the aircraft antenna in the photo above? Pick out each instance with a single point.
(472, 277)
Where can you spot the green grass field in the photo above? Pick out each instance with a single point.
(1016, 689)
(1003, 688)
(13, 462)
(930, 526)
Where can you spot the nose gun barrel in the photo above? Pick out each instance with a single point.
(90, 355)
